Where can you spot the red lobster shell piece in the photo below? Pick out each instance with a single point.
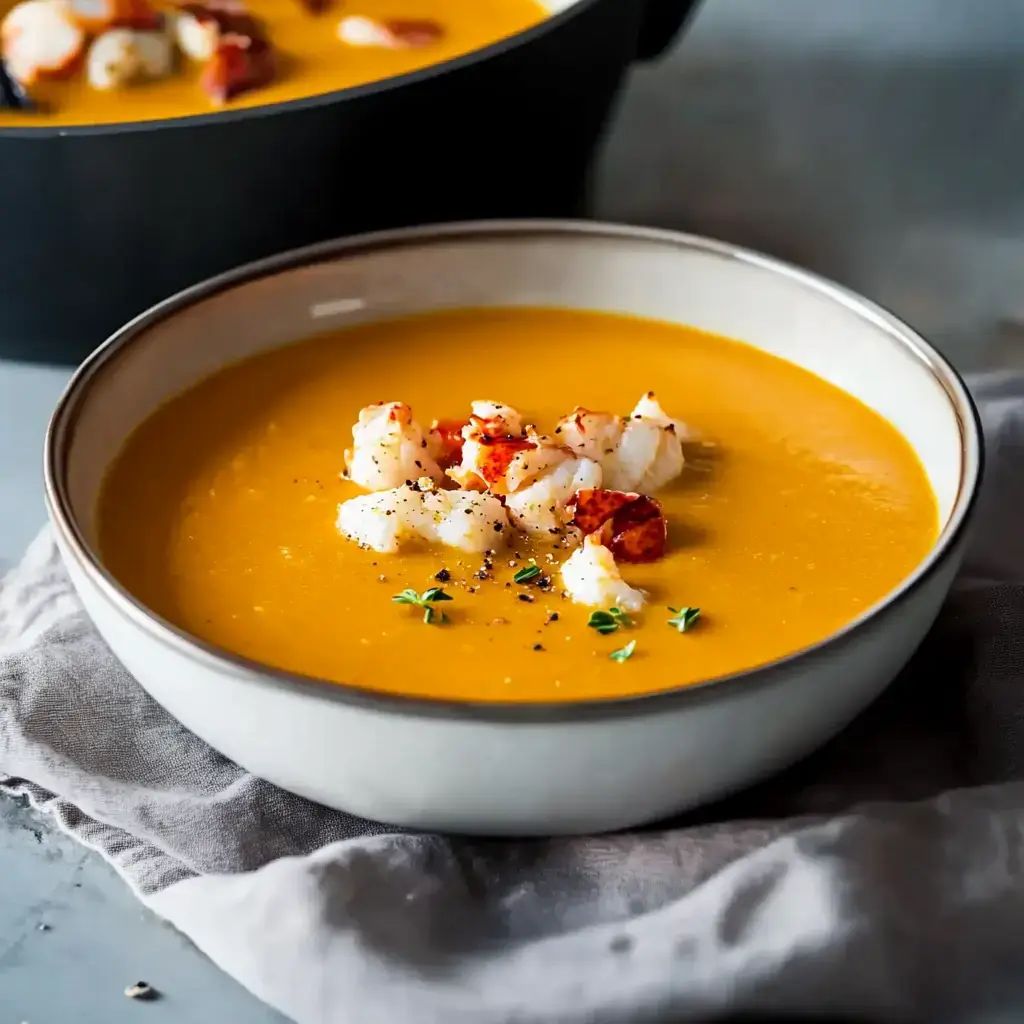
(449, 433)
(499, 453)
(414, 33)
(239, 64)
(225, 19)
(390, 34)
(632, 526)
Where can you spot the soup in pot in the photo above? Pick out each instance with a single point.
(76, 62)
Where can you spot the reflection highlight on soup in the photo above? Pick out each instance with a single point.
(76, 62)
(514, 505)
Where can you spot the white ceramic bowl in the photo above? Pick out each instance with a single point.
(514, 769)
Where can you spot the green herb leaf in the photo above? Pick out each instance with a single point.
(684, 618)
(606, 622)
(602, 622)
(424, 601)
(527, 573)
(623, 653)
(620, 617)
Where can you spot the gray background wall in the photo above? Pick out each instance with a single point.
(880, 142)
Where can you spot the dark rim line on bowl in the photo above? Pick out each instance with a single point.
(499, 46)
(65, 416)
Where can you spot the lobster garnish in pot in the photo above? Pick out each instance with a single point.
(239, 64)
(411, 34)
(39, 39)
(124, 56)
(389, 34)
(200, 28)
(632, 526)
(96, 16)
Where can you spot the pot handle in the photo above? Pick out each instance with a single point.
(662, 21)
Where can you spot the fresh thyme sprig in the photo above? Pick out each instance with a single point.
(623, 653)
(426, 601)
(527, 573)
(608, 621)
(684, 618)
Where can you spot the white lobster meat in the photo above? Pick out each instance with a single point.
(595, 435)
(535, 474)
(41, 39)
(123, 57)
(642, 452)
(197, 37)
(541, 481)
(96, 16)
(591, 577)
(496, 419)
(491, 428)
(400, 34)
(357, 30)
(389, 448)
(387, 521)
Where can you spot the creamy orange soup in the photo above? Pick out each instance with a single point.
(312, 58)
(797, 509)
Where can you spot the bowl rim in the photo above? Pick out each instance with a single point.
(505, 44)
(105, 357)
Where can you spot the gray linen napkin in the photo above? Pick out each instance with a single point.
(881, 879)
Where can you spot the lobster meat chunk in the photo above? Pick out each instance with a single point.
(96, 16)
(200, 28)
(40, 39)
(390, 34)
(496, 455)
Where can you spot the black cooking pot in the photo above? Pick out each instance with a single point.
(101, 222)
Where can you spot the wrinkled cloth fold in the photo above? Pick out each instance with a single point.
(880, 879)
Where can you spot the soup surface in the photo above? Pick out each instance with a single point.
(797, 509)
(311, 58)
